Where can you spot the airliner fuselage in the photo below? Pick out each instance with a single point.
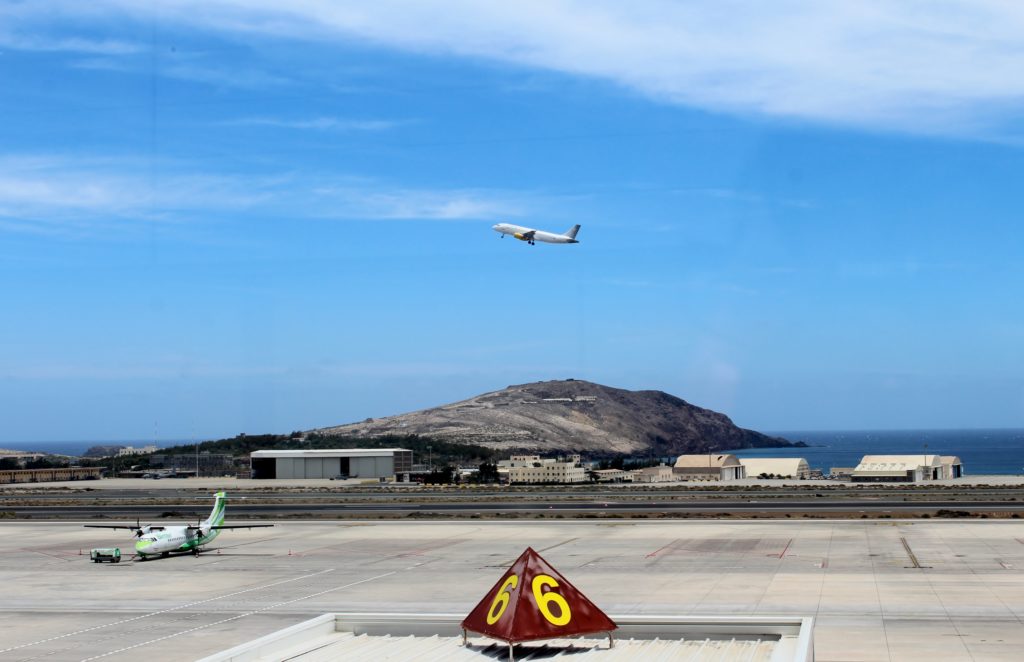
(529, 235)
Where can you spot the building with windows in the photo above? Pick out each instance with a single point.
(659, 474)
(394, 463)
(712, 466)
(533, 469)
(206, 463)
(906, 468)
(131, 450)
(613, 475)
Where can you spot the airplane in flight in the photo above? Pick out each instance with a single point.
(530, 235)
(159, 540)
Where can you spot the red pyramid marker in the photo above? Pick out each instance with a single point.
(534, 601)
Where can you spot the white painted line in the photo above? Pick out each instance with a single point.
(235, 618)
(162, 611)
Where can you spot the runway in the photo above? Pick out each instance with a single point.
(880, 590)
(547, 506)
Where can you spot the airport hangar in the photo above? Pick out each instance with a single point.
(329, 463)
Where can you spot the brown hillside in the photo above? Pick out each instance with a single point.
(571, 415)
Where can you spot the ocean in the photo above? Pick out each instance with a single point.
(981, 451)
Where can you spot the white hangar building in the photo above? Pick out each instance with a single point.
(330, 463)
(778, 467)
(907, 468)
(713, 466)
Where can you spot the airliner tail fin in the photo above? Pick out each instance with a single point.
(216, 517)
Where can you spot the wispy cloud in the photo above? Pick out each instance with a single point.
(82, 45)
(736, 195)
(319, 123)
(397, 204)
(952, 67)
(61, 194)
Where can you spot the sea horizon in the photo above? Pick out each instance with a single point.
(982, 451)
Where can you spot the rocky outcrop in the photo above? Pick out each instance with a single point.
(571, 415)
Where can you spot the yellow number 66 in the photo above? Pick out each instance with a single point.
(544, 600)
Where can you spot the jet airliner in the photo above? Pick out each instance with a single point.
(530, 235)
(163, 540)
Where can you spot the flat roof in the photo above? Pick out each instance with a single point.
(331, 452)
(439, 636)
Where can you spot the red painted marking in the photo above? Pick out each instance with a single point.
(786, 548)
(661, 549)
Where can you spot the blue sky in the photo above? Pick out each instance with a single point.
(216, 219)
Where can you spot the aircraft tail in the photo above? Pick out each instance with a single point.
(571, 232)
(216, 517)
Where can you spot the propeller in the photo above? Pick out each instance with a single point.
(141, 530)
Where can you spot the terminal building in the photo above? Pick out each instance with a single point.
(721, 466)
(331, 463)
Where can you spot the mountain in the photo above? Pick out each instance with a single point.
(571, 415)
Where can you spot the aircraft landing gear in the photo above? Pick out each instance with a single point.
(165, 554)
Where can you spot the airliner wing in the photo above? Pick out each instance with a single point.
(121, 526)
(240, 526)
(529, 235)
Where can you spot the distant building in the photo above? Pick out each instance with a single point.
(952, 467)
(49, 475)
(210, 464)
(708, 467)
(330, 463)
(906, 468)
(659, 474)
(130, 450)
(777, 467)
(613, 475)
(527, 469)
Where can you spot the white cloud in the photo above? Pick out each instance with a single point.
(948, 66)
(397, 204)
(42, 43)
(59, 194)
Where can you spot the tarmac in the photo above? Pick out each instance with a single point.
(879, 590)
(232, 484)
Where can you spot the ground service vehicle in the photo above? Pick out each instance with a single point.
(108, 554)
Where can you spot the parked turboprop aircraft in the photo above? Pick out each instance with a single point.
(530, 236)
(158, 540)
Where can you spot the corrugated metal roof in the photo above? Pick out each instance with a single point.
(380, 636)
(329, 452)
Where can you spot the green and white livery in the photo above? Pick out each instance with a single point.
(157, 540)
